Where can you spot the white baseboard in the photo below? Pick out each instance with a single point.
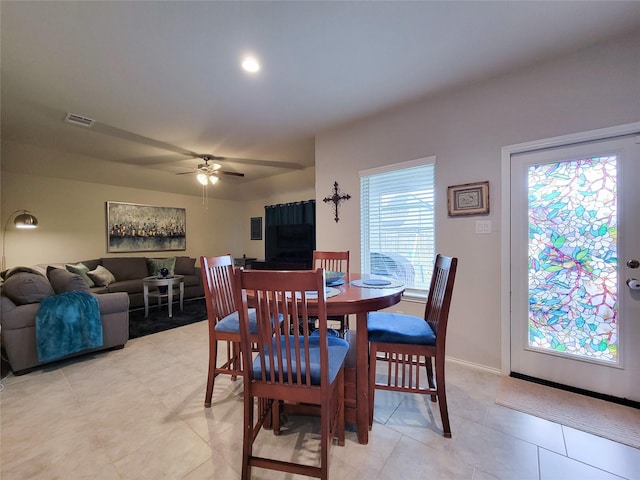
(477, 366)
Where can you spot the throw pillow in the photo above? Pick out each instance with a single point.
(81, 269)
(64, 281)
(12, 271)
(101, 276)
(27, 287)
(185, 266)
(154, 265)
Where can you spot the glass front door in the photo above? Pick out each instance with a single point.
(575, 236)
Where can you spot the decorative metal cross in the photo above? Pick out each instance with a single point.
(336, 198)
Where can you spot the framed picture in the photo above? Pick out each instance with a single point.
(145, 228)
(468, 199)
(256, 228)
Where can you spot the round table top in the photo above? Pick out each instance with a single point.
(357, 299)
(354, 299)
(160, 281)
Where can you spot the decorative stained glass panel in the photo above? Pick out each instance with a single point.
(573, 258)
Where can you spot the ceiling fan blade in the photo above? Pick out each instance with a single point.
(106, 129)
(217, 172)
(134, 137)
(263, 163)
(235, 174)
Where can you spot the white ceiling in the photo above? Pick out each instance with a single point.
(163, 79)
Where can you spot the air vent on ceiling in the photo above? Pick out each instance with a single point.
(79, 120)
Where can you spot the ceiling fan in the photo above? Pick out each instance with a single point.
(204, 168)
(210, 172)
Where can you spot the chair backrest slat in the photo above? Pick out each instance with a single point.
(440, 293)
(331, 261)
(217, 275)
(284, 349)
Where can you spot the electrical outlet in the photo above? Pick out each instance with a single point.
(483, 227)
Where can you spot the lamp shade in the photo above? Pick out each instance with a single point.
(202, 178)
(25, 220)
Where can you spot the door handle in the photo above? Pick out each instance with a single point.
(633, 284)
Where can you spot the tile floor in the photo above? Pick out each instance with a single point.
(137, 413)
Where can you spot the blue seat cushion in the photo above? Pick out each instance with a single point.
(337, 350)
(387, 327)
(231, 323)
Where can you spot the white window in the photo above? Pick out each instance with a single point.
(397, 222)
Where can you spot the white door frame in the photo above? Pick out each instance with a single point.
(505, 261)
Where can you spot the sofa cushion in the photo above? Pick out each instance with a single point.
(91, 264)
(12, 271)
(81, 269)
(101, 276)
(65, 281)
(23, 288)
(154, 265)
(191, 280)
(128, 286)
(126, 268)
(185, 266)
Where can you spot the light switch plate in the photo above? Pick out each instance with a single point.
(483, 226)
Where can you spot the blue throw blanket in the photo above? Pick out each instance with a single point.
(67, 323)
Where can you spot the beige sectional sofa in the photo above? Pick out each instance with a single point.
(19, 304)
(128, 273)
(117, 291)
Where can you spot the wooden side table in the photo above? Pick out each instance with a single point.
(169, 283)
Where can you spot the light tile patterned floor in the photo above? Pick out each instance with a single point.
(137, 413)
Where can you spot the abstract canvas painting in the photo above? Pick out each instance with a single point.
(145, 228)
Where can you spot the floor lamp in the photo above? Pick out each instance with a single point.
(23, 220)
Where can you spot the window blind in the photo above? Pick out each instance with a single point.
(397, 221)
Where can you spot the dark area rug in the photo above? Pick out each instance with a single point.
(195, 310)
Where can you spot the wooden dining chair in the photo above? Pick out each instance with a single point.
(335, 262)
(217, 278)
(407, 343)
(302, 369)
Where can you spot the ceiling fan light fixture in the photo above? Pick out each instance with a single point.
(213, 179)
(202, 178)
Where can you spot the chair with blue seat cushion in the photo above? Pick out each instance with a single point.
(406, 343)
(305, 369)
(217, 278)
(334, 262)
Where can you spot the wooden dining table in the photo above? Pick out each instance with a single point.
(359, 301)
(350, 299)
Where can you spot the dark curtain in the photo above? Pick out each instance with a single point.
(295, 213)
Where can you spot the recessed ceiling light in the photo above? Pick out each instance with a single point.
(250, 64)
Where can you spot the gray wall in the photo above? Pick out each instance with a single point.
(593, 88)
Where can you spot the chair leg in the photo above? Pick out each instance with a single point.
(247, 437)
(344, 325)
(442, 397)
(340, 432)
(325, 438)
(373, 352)
(211, 376)
(275, 416)
(429, 363)
(236, 356)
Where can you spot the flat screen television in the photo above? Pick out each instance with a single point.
(290, 243)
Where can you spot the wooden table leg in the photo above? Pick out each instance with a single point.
(362, 377)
